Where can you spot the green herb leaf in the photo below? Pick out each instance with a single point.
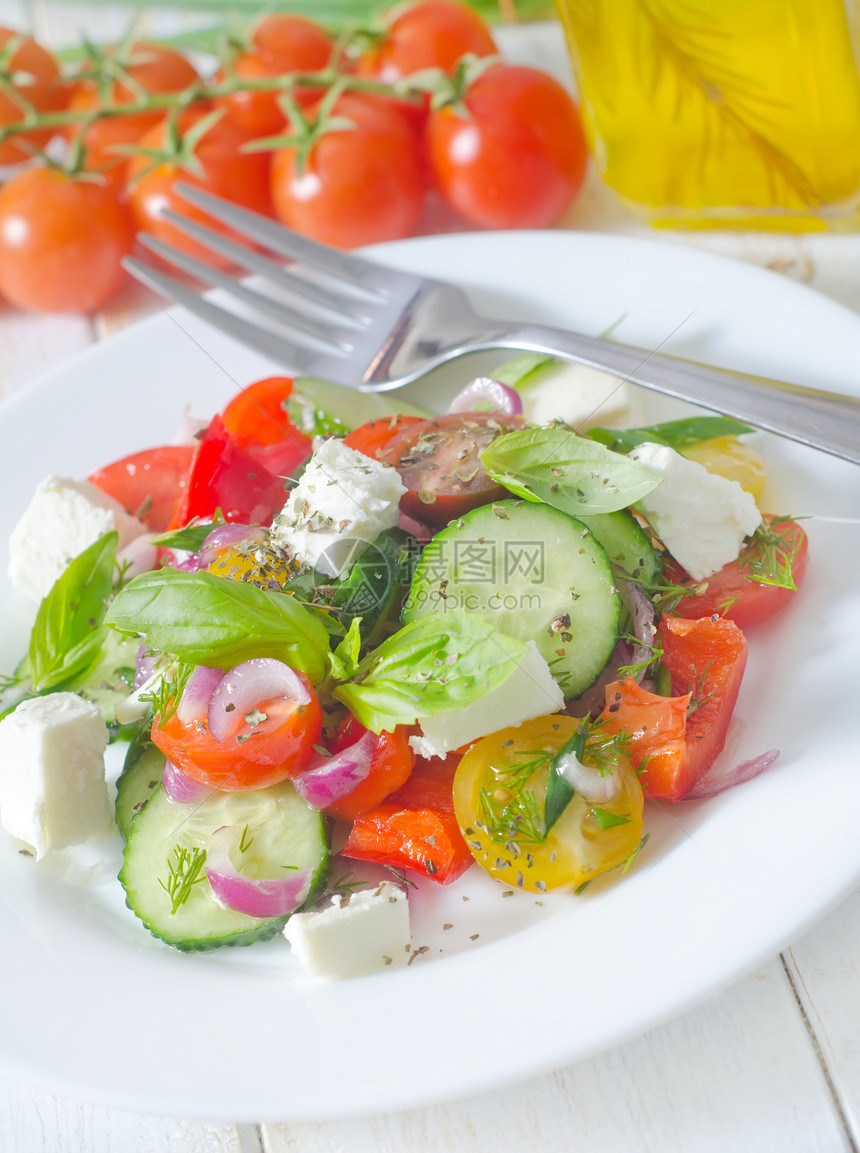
(429, 666)
(569, 472)
(206, 620)
(608, 820)
(344, 659)
(522, 371)
(676, 434)
(69, 627)
(559, 791)
(769, 555)
(190, 538)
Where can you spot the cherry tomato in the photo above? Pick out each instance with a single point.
(426, 34)
(499, 797)
(359, 185)
(415, 828)
(517, 158)
(733, 592)
(225, 475)
(372, 438)
(43, 91)
(281, 43)
(151, 68)
(241, 177)
(253, 756)
(148, 484)
(390, 769)
(61, 241)
(732, 458)
(439, 461)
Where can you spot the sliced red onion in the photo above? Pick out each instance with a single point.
(197, 693)
(265, 897)
(227, 535)
(592, 785)
(641, 609)
(717, 779)
(139, 556)
(330, 778)
(250, 684)
(182, 788)
(144, 665)
(483, 394)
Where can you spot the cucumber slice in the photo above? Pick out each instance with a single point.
(286, 832)
(534, 573)
(626, 543)
(140, 777)
(315, 401)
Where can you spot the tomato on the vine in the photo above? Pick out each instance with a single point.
(141, 68)
(29, 79)
(359, 184)
(62, 239)
(426, 34)
(282, 42)
(518, 156)
(214, 161)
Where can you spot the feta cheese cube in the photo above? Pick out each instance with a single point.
(581, 397)
(355, 935)
(63, 518)
(341, 504)
(52, 773)
(700, 517)
(530, 691)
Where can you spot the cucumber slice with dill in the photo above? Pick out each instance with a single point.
(140, 777)
(163, 869)
(533, 573)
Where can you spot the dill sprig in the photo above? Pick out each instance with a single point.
(770, 555)
(167, 691)
(183, 874)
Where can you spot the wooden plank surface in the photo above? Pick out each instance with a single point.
(772, 1064)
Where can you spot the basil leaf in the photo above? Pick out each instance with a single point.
(676, 434)
(607, 820)
(569, 472)
(431, 665)
(69, 627)
(190, 538)
(207, 620)
(519, 372)
(344, 659)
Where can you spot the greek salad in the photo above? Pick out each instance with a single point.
(336, 628)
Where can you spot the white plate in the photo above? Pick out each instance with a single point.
(92, 1007)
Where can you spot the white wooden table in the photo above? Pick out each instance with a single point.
(771, 1065)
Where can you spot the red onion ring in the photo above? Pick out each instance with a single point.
(181, 788)
(330, 778)
(483, 394)
(144, 664)
(248, 685)
(717, 780)
(197, 693)
(264, 897)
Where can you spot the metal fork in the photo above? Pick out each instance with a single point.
(350, 320)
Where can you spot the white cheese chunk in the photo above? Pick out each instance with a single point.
(63, 518)
(580, 396)
(341, 504)
(363, 933)
(52, 773)
(530, 691)
(700, 517)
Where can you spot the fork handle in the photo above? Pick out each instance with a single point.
(828, 421)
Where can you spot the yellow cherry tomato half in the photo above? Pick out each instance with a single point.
(729, 457)
(499, 798)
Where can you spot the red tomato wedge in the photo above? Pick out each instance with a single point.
(675, 740)
(390, 769)
(227, 476)
(416, 827)
(148, 484)
(257, 413)
(733, 593)
(375, 436)
(278, 747)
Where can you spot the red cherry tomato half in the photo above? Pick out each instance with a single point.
(445, 479)
(359, 185)
(733, 593)
(372, 438)
(390, 769)
(253, 757)
(257, 413)
(61, 241)
(148, 484)
(517, 158)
